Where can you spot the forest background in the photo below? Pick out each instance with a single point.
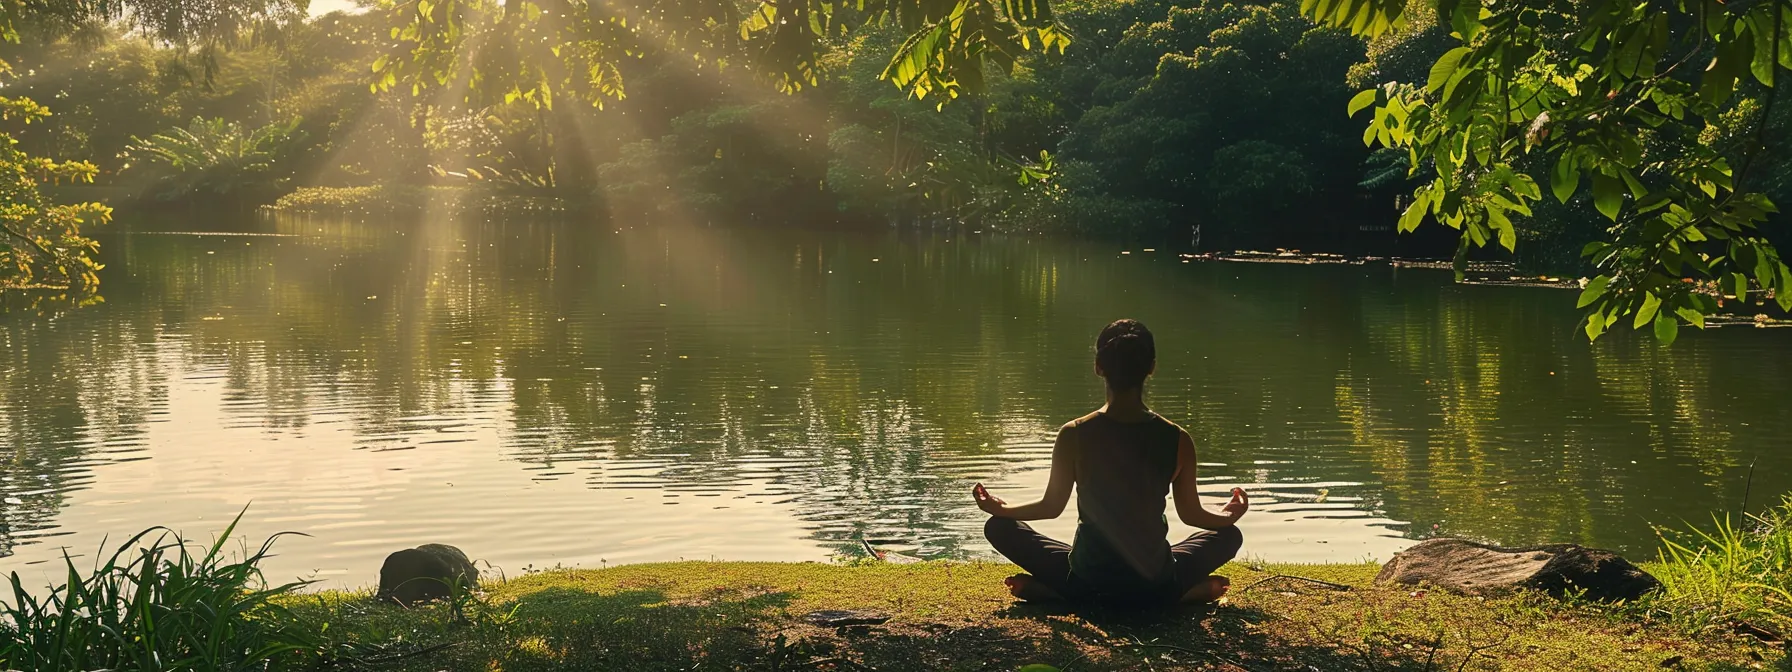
(1210, 124)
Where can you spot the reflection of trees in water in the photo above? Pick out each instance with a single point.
(1555, 440)
(1453, 455)
(562, 330)
(93, 386)
(782, 384)
(864, 382)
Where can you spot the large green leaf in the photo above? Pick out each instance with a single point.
(1565, 179)
(1595, 289)
(1445, 68)
(1666, 328)
(1608, 195)
(1783, 291)
(1651, 304)
(1769, 38)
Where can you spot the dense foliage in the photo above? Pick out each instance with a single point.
(1220, 123)
(1736, 571)
(1189, 123)
(42, 244)
(217, 157)
(1536, 89)
(1097, 139)
(1635, 107)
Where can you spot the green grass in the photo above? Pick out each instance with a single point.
(1732, 573)
(160, 604)
(957, 616)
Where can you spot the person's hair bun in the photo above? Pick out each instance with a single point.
(1126, 353)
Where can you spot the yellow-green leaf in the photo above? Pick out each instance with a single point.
(1651, 304)
(1360, 102)
(1594, 290)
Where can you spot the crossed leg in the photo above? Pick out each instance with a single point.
(1046, 560)
(1198, 556)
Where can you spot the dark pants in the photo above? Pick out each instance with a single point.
(1048, 559)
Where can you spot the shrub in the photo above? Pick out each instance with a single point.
(1731, 573)
(217, 157)
(154, 604)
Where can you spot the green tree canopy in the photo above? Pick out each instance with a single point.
(487, 51)
(42, 244)
(195, 23)
(1608, 101)
(1201, 111)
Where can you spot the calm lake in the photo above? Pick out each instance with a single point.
(543, 394)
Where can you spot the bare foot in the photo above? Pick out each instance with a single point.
(1027, 588)
(1211, 590)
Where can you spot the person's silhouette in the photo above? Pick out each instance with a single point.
(1122, 460)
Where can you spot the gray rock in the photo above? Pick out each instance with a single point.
(425, 573)
(1466, 567)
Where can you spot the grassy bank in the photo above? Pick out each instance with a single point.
(408, 201)
(161, 603)
(957, 616)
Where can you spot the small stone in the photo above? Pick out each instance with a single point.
(839, 618)
(425, 573)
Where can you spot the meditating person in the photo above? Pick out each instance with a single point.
(1122, 460)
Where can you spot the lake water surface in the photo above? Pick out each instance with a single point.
(543, 394)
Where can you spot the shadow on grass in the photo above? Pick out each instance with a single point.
(1190, 636)
(639, 628)
(559, 629)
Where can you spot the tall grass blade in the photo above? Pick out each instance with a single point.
(1733, 572)
(153, 604)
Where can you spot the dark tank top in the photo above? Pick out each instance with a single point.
(1123, 473)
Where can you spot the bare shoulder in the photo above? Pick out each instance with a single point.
(1184, 440)
(1073, 424)
(1181, 434)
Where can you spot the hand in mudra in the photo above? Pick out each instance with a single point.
(990, 504)
(1237, 506)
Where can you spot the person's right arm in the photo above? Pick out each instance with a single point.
(1186, 490)
(1057, 487)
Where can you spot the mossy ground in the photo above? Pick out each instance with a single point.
(957, 616)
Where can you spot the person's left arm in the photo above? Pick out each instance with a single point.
(1057, 488)
(1187, 490)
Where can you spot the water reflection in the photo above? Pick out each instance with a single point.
(543, 393)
